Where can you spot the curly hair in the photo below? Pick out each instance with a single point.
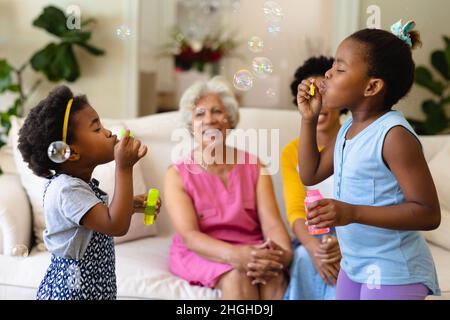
(390, 59)
(315, 66)
(44, 125)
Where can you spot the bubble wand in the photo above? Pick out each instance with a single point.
(152, 199)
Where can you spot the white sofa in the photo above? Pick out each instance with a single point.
(142, 271)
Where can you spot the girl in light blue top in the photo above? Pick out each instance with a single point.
(383, 188)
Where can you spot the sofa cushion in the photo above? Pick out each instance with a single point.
(35, 185)
(441, 176)
(141, 269)
(15, 215)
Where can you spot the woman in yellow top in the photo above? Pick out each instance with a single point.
(315, 265)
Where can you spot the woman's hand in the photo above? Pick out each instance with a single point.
(329, 251)
(140, 202)
(269, 261)
(327, 213)
(308, 105)
(128, 151)
(327, 271)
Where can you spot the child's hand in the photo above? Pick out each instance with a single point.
(140, 202)
(309, 105)
(328, 213)
(128, 151)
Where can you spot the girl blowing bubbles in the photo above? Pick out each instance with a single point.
(79, 225)
(383, 187)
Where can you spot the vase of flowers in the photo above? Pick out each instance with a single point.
(199, 54)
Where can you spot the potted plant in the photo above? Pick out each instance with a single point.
(56, 61)
(436, 119)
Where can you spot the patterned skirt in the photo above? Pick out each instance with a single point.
(91, 278)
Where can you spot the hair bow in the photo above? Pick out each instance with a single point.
(402, 31)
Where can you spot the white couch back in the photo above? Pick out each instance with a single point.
(156, 132)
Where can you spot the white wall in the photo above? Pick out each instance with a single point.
(432, 18)
(287, 50)
(108, 81)
(304, 21)
(156, 19)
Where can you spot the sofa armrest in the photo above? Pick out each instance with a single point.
(15, 214)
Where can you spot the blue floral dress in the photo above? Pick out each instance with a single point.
(91, 278)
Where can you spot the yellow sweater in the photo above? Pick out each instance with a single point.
(293, 189)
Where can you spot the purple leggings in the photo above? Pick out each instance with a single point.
(347, 289)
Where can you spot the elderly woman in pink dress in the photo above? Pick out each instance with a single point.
(230, 235)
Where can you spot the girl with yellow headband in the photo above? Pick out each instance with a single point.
(79, 224)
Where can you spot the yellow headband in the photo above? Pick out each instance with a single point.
(66, 120)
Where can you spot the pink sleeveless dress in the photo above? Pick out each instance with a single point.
(226, 213)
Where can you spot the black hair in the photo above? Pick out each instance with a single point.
(43, 125)
(389, 58)
(315, 66)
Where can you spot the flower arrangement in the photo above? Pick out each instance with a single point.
(197, 54)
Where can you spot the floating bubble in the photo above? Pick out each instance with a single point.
(271, 93)
(274, 28)
(255, 44)
(273, 11)
(262, 67)
(58, 151)
(243, 80)
(20, 250)
(123, 32)
(236, 5)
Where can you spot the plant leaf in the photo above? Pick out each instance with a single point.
(91, 49)
(53, 20)
(424, 78)
(5, 76)
(42, 60)
(57, 62)
(5, 121)
(446, 100)
(65, 65)
(436, 119)
(14, 110)
(14, 88)
(439, 62)
(76, 36)
(447, 49)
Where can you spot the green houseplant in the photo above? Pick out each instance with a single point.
(56, 61)
(436, 119)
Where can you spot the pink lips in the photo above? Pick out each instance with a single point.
(322, 87)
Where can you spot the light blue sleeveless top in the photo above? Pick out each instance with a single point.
(362, 178)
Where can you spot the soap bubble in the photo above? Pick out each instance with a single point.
(123, 32)
(236, 5)
(262, 67)
(271, 93)
(272, 11)
(243, 80)
(273, 28)
(58, 151)
(20, 250)
(255, 44)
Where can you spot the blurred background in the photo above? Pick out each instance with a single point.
(135, 57)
